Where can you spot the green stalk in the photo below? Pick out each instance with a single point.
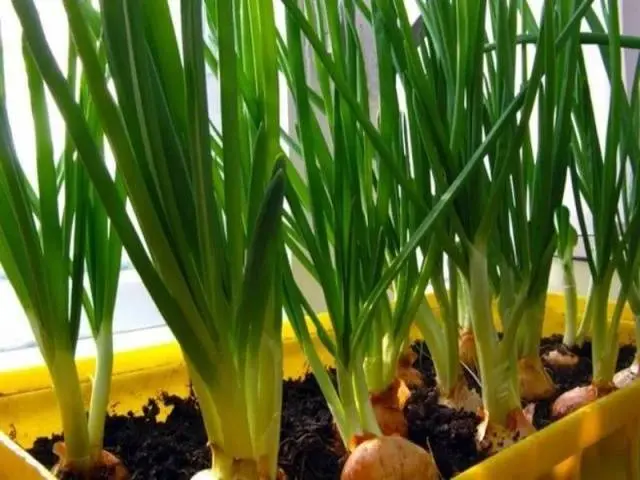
(530, 331)
(634, 304)
(362, 391)
(570, 303)
(585, 325)
(464, 314)
(348, 398)
(429, 327)
(66, 384)
(603, 362)
(381, 360)
(441, 336)
(499, 391)
(101, 388)
(452, 361)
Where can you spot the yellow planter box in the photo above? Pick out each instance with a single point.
(599, 442)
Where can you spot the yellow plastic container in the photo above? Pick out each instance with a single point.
(598, 442)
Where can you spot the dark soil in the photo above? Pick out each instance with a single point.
(448, 434)
(309, 446)
(150, 449)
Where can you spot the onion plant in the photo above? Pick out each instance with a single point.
(598, 174)
(341, 234)
(451, 175)
(208, 244)
(378, 211)
(459, 95)
(537, 190)
(629, 197)
(49, 234)
(434, 258)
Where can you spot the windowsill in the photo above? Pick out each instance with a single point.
(141, 325)
(20, 358)
(137, 324)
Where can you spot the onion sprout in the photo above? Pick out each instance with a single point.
(208, 248)
(47, 241)
(597, 179)
(567, 240)
(481, 216)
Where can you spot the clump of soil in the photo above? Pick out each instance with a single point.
(310, 448)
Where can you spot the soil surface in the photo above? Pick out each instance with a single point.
(309, 446)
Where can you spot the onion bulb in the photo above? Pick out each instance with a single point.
(626, 376)
(561, 358)
(572, 400)
(405, 371)
(112, 464)
(535, 382)
(388, 408)
(492, 437)
(467, 348)
(389, 458)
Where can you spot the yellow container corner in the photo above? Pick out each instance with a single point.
(598, 442)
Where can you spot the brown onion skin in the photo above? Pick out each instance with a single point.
(574, 399)
(389, 458)
(388, 408)
(535, 382)
(467, 349)
(561, 359)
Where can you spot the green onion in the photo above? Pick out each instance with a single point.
(502, 393)
(340, 242)
(49, 235)
(540, 179)
(567, 240)
(630, 199)
(341, 236)
(441, 334)
(209, 207)
(456, 105)
(597, 178)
